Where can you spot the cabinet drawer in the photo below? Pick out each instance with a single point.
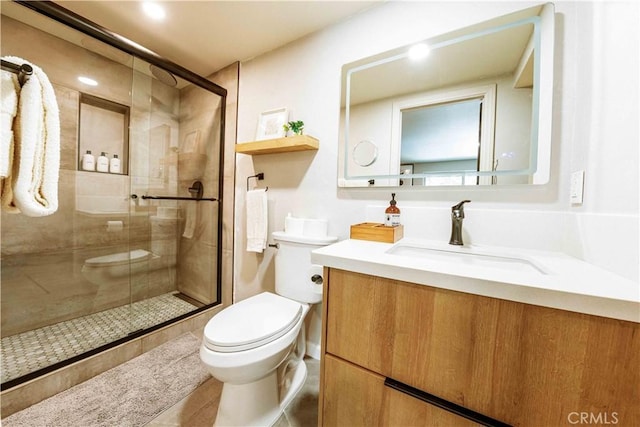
(499, 358)
(429, 338)
(360, 398)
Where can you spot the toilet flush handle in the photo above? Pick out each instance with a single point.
(317, 279)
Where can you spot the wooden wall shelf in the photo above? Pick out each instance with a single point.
(279, 145)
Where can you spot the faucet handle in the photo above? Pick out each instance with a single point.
(457, 215)
(459, 206)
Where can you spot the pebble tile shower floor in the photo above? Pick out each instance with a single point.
(29, 351)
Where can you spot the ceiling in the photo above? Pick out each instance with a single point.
(206, 36)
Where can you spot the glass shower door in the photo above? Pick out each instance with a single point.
(175, 154)
(65, 276)
(129, 248)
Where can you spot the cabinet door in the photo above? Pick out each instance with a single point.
(500, 358)
(356, 397)
(432, 339)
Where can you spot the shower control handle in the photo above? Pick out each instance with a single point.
(317, 279)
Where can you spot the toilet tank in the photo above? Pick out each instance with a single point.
(294, 269)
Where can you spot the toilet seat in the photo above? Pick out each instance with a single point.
(119, 258)
(251, 323)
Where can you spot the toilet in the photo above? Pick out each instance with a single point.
(114, 267)
(256, 346)
(121, 268)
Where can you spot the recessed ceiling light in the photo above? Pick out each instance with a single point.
(418, 51)
(154, 10)
(88, 81)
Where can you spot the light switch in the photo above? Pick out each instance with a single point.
(577, 187)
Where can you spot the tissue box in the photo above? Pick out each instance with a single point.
(376, 232)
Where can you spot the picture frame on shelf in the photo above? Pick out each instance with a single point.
(270, 124)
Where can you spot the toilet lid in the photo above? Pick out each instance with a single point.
(119, 258)
(251, 323)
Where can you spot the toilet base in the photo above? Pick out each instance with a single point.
(258, 403)
(313, 325)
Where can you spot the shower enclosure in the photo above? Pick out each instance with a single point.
(130, 250)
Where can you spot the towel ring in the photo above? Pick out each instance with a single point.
(259, 177)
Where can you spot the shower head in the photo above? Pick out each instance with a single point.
(163, 75)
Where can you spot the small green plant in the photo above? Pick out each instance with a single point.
(295, 127)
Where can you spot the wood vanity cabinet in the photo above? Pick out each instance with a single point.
(514, 363)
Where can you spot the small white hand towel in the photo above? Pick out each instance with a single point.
(257, 220)
(36, 163)
(9, 89)
(192, 219)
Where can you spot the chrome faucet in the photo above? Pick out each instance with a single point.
(457, 215)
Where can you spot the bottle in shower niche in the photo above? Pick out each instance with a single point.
(114, 164)
(102, 164)
(88, 161)
(392, 213)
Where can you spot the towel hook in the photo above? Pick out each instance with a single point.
(259, 177)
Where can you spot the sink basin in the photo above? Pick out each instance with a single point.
(468, 256)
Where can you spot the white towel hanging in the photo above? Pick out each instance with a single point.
(257, 224)
(192, 219)
(8, 108)
(36, 162)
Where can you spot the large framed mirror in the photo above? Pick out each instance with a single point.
(470, 107)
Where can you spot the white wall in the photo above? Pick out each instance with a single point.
(595, 128)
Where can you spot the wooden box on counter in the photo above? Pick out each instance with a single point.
(377, 232)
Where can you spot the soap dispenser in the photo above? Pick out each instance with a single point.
(102, 164)
(114, 164)
(392, 213)
(88, 161)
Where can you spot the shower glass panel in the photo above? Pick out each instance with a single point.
(126, 252)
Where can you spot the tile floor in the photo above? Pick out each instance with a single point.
(29, 351)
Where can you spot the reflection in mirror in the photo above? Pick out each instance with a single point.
(441, 137)
(365, 153)
(473, 109)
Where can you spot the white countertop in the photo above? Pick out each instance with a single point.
(564, 282)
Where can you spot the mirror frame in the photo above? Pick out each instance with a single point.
(542, 17)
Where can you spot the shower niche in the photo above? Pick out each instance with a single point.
(103, 128)
(108, 267)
